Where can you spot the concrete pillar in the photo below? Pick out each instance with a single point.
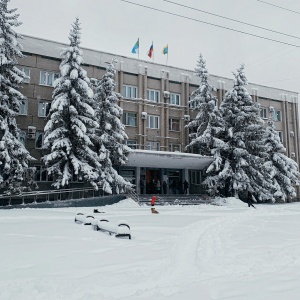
(221, 91)
(186, 177)
(285, 120)
(254, 92)
(121, 77)
(163, 110)
(183, 103)
(137, 179)
(167, 88)
(295, 128)
(140, 82)
(145, 83)
(187, 112)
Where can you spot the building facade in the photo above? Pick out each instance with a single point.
(155, 110)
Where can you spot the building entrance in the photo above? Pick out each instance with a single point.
(175, 182)
(152, 177)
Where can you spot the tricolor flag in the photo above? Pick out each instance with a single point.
(165, 50)
(150, 53)
(136, 46)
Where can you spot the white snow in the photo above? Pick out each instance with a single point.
(185, 252)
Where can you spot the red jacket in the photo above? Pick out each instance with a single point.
(153, 200)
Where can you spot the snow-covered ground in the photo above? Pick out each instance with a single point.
(190, 252)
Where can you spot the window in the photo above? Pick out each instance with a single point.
(280, 136)
(131, 144)
(174, 99)
(196, 177)
(276, 115)
(44, 108)
(39, 138)
(27, 73)
(22, 137)
(129, 119)
(129, 91)
(174, 124)
(23, 107)
(174, 147)
(153, 95)
(152, 122)
(48, 78)
(263, 113)
(152, 146)
(41, 174)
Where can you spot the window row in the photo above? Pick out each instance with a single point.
(131, 92)
(275, 114)
(38, 138)
(130, 119)
(43, 108)
(46, 77)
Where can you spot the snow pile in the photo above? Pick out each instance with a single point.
(230, 202)
(130, 203)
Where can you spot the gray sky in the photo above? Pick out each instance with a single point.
(114, 26)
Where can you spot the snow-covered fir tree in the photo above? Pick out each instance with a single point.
(14, 158)
(208, 128)
(108, 116)
(70, 119)
(285, 172)
(109, 137)
(245, 167)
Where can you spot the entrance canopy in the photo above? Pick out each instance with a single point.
(167, 160)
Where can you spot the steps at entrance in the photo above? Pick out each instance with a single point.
(173, 199)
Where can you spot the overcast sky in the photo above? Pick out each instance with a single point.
(114, 26)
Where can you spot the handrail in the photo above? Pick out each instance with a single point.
(46, 193)
(134, 195)
(60, 194)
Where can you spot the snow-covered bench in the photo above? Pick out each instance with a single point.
(121, 229)
(83, 219)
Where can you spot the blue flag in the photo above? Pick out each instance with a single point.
(136, 46)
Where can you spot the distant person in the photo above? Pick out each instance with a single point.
(249, 200)
(142, 185)
(185, 186)
(153, 210)
(164, 185)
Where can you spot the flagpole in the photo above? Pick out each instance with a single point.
(167, 54)
(139, 49)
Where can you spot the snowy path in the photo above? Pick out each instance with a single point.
(199, 252)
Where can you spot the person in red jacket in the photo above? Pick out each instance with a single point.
(153, 210)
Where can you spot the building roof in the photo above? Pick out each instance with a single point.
(137, 66)
(167, 160)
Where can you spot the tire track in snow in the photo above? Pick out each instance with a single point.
(184, 267)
